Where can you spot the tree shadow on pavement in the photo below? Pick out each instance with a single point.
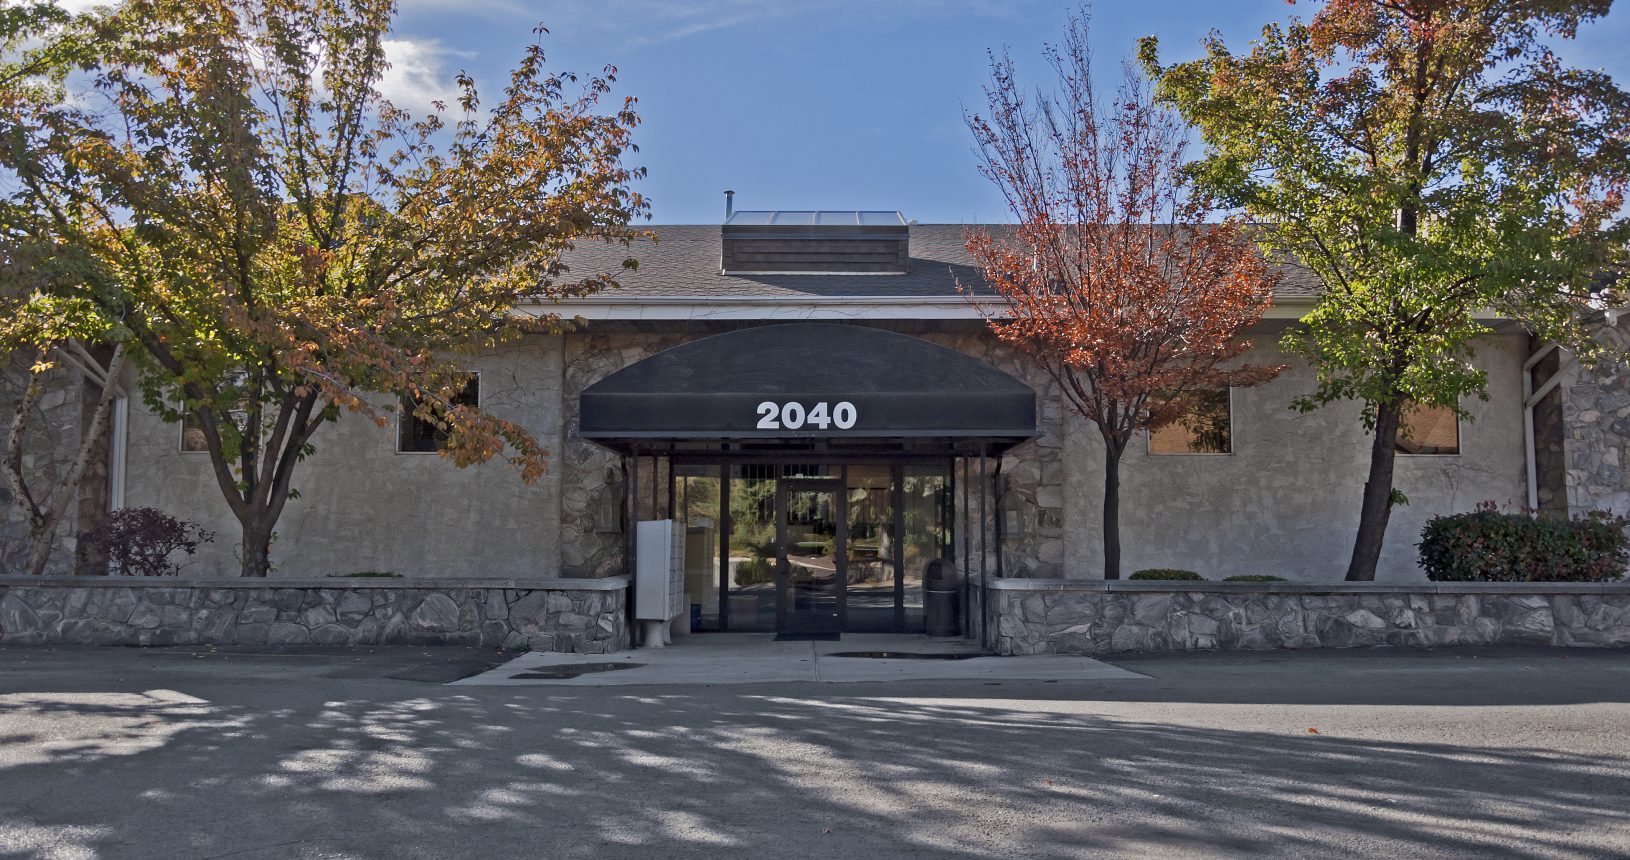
(749, 772)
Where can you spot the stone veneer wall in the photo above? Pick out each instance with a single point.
(1031, 477)
(1596, 418)
(561, 615)
(1082, 617)
(588, 546)
(48, 452)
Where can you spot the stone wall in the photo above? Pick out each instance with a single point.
(1040, 617)
(590, 545)
(52, 440)
(559, 615)
(1596, 418)
(1031, 475)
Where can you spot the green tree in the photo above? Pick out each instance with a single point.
(288, 245)
(1436, 164)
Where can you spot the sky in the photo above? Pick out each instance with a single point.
(820, 104)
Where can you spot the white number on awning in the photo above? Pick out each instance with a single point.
(791, 415)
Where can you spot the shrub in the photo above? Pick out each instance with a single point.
(1167, 573)
(140, 541)
(1254, 577)
(752, 571)
(1488, 545)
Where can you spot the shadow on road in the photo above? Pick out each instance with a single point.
(754, 772)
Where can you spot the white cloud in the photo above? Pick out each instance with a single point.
(419, 74)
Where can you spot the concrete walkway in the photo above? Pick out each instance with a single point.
(756, 658)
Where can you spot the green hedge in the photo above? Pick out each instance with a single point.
(1488, 545)
(1254, 577)
(1168, 573)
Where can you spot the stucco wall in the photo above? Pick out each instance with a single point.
(1286, 501)
(363, 506)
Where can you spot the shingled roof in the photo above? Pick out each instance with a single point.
(684, 262)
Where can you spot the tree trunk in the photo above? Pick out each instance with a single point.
(16, 439)
(95, 493)
(1377, 507)
(44, 528)
(1112, 511)
(40, 540)
(256, 548)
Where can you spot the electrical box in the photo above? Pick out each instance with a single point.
(659, 570)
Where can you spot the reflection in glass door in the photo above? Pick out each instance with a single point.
(746, 522)
(872, 590)
(812, 536)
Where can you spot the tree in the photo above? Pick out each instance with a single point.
(39, 42)
(289, 245)
(1431, 161)
(1114, 279)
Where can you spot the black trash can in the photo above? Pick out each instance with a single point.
(942, 599)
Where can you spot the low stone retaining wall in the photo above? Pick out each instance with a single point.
(581, 615)
(1052, 616)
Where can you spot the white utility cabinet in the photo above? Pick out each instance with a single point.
(659, 577)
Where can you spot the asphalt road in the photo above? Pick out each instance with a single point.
(178, 753)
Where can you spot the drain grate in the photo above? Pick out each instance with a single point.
(561, 673)
(904, 655)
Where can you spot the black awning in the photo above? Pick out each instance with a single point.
(808, 381)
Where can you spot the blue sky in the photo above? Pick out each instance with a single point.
(836, 104)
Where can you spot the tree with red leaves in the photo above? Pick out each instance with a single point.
(1116, 279)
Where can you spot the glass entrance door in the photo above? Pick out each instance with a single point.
(811, 537)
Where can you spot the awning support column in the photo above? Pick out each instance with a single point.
(984, 552)
(967, 555)
(630, 540)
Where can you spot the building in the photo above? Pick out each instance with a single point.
(813, 398)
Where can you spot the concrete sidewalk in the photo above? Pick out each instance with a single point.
(756, 658)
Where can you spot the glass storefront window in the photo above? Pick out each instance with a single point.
(926, 493)
(871, 581)
(696, 497)
(753, 556)
(897, 518)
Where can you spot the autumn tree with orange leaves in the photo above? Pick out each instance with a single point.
(277, 243)
(1116, 279)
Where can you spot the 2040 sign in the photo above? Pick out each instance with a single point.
(793, 416)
